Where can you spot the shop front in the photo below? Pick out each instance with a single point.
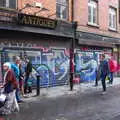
(44, 42)
(90, 47)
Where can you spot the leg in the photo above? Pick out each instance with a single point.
(26, 85)
(111, 77)
(104, 82)
(18, 94)
(15, 106)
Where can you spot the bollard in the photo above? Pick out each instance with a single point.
(38, 85)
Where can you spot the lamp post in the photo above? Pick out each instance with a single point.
(72, 55)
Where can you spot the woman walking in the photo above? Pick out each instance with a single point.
(9, 86)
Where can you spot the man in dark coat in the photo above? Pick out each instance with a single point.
(28, 71)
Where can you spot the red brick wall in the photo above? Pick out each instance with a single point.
(81, 16)
(48, 4)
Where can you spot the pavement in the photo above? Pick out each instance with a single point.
(85, 102)
(53, 92)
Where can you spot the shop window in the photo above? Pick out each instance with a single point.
(8, 3)
(112, 19)
(93, 12)
(62, 9)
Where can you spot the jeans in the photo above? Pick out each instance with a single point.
(17, 94)
(111, 77)
(103, 77)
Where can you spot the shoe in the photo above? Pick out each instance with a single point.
(20, 101)
(104, 92)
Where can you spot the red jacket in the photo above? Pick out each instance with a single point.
(113, 65)
(10, 77)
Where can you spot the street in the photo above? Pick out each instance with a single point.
(89, 105)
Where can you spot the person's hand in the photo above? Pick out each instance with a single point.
(1, 86)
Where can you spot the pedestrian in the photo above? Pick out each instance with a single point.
(28, 72)
(21, 77)
(98, 73)
(113, 68)
(15, 68)
(10, 84)
(104, 67)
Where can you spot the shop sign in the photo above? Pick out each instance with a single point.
(36, 21)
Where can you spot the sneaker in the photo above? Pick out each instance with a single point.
(104, 92)
(20, 101)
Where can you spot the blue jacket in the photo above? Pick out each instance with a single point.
(104, 67)
(16, 70)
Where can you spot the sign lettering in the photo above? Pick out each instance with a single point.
(36, 21)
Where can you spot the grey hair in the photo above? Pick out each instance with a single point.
(7, 64)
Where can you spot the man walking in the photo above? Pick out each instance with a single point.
(104, 67)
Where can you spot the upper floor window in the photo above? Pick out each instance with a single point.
(93, 12)
(62, 9)
(112, 18)
(8, 3)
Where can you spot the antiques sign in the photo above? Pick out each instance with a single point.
(36, 21)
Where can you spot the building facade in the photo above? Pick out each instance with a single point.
(97, 33)
(45, 32)
(26, 30)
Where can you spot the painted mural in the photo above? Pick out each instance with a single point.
(86, 65)
(51, 64)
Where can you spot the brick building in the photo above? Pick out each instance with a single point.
(32, 28)
(43, 30)
(97, 33)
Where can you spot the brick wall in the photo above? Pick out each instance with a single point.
(48, 4)
(81, 16)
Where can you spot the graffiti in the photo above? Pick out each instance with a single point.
(86, 65)
(51, 64)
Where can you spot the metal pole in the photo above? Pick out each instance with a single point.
(38, 85)
(72, 56)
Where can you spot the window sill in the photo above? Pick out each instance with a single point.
(93, 25)
(112, 29)
(8, 9)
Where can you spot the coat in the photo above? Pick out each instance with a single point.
(10, 81)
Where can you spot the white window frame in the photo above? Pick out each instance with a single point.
(93, 5)
(7, 4)
(62, 6)
(112, 19)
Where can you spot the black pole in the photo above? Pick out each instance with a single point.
(38, 85)
(72, 56)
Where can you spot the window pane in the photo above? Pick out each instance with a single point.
(112, 18)
(2, 3)
(89, 13)
(62, 9)
(58, 10)
(94, 15)
(64, 12)
(12, 3)
(92, 11)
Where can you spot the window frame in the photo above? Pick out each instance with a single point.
(113, 18)
(6, 4)
(93, 4)
(62, 5)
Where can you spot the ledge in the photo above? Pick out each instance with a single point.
(93, 25)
